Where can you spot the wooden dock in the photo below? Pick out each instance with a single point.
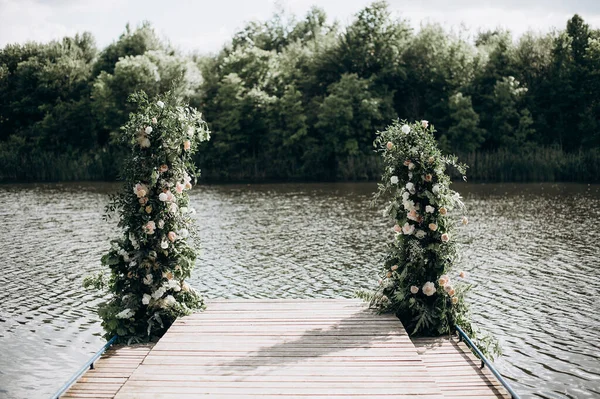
(288, 349)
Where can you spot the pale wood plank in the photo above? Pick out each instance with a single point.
(110, 372)
(287, 349)
(443, 356)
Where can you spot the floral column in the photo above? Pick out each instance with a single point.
(417, 282)
(158, 247)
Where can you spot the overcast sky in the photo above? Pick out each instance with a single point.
(204, 26)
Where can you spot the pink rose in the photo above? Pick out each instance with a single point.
(445, 237)
(443, 211)
(163, 168)
(140, 190)
(414, 289)
(154, 120)
(413, 215)
(429, 288)
(433, 226)
(424, 123)
(394, 268)
(179, 188)
(172, 236)
(428, 177)
(443, 280)
(150, 227)
(408, 229)
(187, 145)
(397, 228)
(454, 300)
(390, 145)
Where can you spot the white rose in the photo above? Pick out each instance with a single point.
(163, 197)
(436, 189)
(429, 209)
(173, 285)
(184, 233)
(410, 187)
(408, 205)
(125, 314)
(429, 288)
(424, 123)
(159, 293)
(148, 130)
(146, 299)
(161, 224)
(420, 234)
(405, 195)
(170, 300)
(414, 289)
(164, 244)
(405, 129)
(394, 180)
(411, 166)
(160, 104)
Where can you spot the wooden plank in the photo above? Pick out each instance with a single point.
(443, 356)
(287, 349)
(110, 372)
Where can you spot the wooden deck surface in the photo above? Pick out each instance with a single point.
(288, 349)
(109, 373)
(456, 370)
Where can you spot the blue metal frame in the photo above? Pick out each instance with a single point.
(485, 362)
(88, 366)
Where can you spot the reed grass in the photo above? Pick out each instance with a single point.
(542, 165)
(546, 164)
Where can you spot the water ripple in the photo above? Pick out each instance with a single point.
(530, 249)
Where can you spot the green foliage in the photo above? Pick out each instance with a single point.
(155, 72)
(301, 98)
(464, 133)
(154, 256)
(418, 283)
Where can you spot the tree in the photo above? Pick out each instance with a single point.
(349, 117)
(464, 134)
(130, 43)
(511, 122)
(155, 72)
(45, 93)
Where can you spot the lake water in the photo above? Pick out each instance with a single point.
(532, 250)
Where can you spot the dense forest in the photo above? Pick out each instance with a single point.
(301, 99)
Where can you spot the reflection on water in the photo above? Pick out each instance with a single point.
(530, 249)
